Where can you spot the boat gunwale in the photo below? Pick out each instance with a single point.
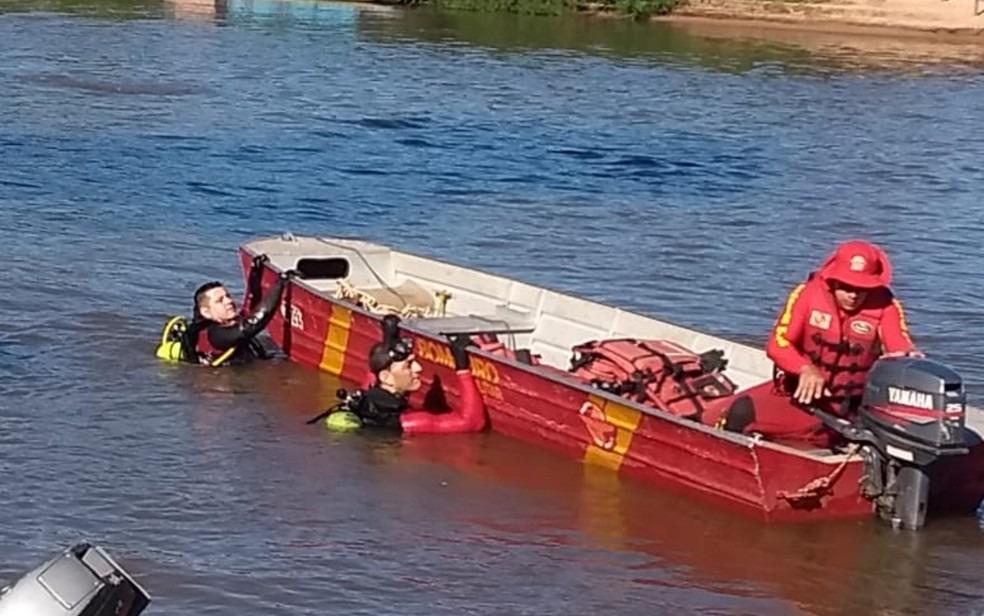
(748, 442)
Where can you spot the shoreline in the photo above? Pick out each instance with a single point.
(867, 46)
(765, 26)
(949, 21)
(945, 20)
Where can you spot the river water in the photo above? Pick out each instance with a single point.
(695, 175)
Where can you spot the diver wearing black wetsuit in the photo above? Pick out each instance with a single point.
(222, 335)
(379, 408)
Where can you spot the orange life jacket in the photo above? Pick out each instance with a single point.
(845, 347)
(491, 344)
(659, 373)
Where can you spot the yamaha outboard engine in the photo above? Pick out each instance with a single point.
(913, 412)
(81, 581)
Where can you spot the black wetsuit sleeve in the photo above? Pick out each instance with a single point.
(249, 327)
(260, 316)
(253, 287)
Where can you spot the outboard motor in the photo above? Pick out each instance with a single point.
(81, 581)
(915, 409)
(912, 414)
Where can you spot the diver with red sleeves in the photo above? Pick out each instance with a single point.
(395, 375)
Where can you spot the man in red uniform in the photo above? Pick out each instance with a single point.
(831, 331)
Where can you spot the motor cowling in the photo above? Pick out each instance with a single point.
(916, 408)
(912, 413)
(81, 581)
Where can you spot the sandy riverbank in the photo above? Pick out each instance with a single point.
(864, 46)
(895, 18)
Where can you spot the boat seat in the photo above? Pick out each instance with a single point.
(503, 321)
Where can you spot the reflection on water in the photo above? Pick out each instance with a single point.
(719, 44)
(204, 10)
(711, 44)
(901, 52)
(672, 170)
(269, 12)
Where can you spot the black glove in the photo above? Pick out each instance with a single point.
(459, 344)
(288, 274)
(391, 329)
(253, 282)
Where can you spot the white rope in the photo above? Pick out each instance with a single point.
(408, 311)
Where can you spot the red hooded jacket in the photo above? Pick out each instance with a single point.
(812, 329)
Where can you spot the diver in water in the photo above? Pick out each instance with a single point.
(396, 374)
(219, 332)
(223, 334)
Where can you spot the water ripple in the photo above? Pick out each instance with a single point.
(674, 173)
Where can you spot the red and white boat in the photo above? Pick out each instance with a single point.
(330, 318)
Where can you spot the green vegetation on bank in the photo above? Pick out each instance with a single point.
(634, 8)
(108, 9)
(130, 9)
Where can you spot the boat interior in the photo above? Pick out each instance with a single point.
(446, 299)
